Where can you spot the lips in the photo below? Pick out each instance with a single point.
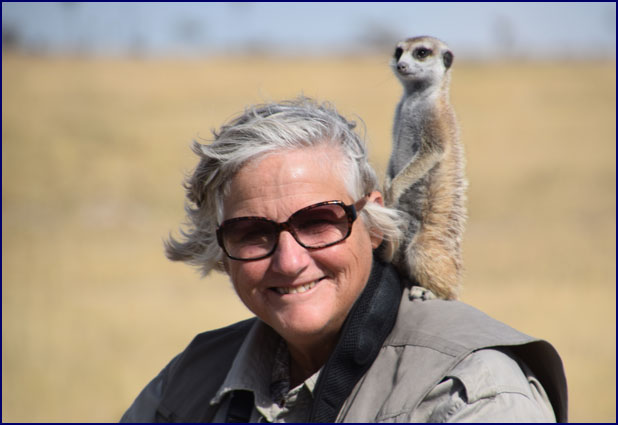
(296, 289)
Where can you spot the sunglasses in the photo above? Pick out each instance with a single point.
(314, 227)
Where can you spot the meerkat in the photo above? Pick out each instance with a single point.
(425, 175)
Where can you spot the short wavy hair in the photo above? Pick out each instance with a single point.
(262, 129)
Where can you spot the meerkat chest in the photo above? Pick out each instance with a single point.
(412, 118)
(417, 107)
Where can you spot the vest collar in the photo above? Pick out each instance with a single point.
(369, 322)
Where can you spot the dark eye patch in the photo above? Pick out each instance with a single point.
(421, 52)
(398, 53)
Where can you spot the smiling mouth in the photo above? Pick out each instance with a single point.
(297, 289)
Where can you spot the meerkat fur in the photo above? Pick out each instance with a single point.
(425, 175)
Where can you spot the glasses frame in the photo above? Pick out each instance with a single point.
(351, 212)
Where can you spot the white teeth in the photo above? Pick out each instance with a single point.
(297, 289)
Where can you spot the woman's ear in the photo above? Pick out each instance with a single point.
(375, 236)
(376, 196)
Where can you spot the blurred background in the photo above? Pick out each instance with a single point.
(100, 103)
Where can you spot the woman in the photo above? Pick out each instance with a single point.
(285, 202)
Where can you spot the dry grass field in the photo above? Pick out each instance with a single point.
(94, 153)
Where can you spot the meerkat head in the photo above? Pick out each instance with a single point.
(421, 62)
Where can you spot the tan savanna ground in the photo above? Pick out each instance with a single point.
(94, 153)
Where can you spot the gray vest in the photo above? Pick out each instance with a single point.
(439, 334)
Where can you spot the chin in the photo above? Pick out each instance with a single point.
(304, 323)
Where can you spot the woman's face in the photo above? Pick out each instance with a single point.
(275, 187)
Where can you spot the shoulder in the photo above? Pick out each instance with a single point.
(225, 333)
(218, 345)
(488, 385)
(225, 338)
(144, 407)
(449, 325)
(459, 332)
(208, 353)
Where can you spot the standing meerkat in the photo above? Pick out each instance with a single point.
(425, 176)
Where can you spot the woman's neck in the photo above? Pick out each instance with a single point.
(307, 360)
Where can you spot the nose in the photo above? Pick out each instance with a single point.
(402, 66)
(290, 258)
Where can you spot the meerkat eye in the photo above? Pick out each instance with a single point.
(398, 53)
(421, 53)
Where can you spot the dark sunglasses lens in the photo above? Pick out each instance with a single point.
(249, 238)
(321, 225)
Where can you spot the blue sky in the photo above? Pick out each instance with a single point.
(472, 29)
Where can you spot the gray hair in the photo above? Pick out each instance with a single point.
(264, 129)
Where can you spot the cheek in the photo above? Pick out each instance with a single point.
(364, 255)
(363, 241)
(245, 276)
(353, 260)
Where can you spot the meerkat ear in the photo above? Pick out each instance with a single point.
(447, 57)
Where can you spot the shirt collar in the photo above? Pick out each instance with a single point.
(252, 366)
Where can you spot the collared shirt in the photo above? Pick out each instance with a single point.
(262, 367)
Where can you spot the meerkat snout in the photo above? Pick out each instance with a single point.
(402, 67)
